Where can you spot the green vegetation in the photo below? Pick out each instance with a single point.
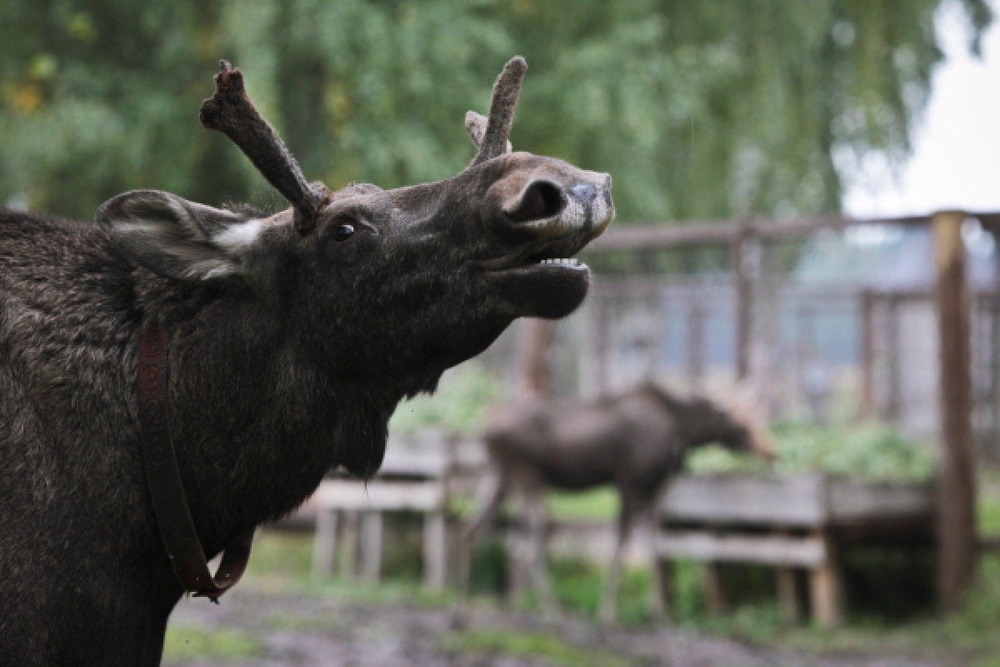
(185, 642)
(969, 636)
(600, 504)
(460, 403)
(867, 450)
(700, 110)
(988, 506)
(535, 645)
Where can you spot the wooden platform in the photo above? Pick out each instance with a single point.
(418, 475)
(798, 523)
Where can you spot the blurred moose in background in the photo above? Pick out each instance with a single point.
(177, 374)
(635, 441)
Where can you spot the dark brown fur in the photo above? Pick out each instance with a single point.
(635, 442)
(289, 351)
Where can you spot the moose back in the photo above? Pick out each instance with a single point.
(290, 340)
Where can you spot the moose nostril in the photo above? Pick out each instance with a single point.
(539, 200)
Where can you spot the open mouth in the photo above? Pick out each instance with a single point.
(535, 261)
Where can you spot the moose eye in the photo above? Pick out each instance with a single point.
(343, 231)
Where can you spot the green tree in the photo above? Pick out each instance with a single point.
(709, 109)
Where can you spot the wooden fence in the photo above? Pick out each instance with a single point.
(953, 302)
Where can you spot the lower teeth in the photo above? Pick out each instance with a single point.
(560, 262)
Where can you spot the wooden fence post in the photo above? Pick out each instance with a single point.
(598, 343)
(866, 406)
(745, 259)
(957, 487)
(535, 357)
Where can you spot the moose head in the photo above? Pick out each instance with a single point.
(401, 283)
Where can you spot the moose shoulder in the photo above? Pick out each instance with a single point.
(291, 339)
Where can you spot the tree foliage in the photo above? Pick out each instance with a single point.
(705, 109)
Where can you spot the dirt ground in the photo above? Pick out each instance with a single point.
(292, 630)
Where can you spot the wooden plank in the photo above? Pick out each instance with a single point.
(866, 404)
(376, 495)
(435, 550)
(414, 463)
(825, 588)
(788, 593)
(426, 454)
(798, 501)
(854, 501)
(712, 232)
(371, 547)
(716, 599)
(780, 550)
(746, 250)
(956, 513)
(804, 501)
(324, 544)
(431, 454)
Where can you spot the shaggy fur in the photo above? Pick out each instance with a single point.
(635, 441)
(289, 352)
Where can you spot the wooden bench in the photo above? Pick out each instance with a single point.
(795, 523)
(417, 475)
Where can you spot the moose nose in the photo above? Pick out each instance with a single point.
(585, 193)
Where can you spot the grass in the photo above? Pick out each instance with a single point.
(281, 562)
(597, 505)
(531, 644)
(969, 636)
(185, 643)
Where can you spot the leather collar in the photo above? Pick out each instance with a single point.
(173, 517)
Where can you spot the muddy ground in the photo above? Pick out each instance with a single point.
(330, 631)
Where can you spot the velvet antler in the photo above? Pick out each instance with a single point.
(494, 139)
(230, 111)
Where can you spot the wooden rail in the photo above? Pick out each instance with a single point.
(796, 523)
(416, 476)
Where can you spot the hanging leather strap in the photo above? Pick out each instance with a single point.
(164, 479)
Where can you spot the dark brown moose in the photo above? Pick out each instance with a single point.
(635, 441)
(290, 340)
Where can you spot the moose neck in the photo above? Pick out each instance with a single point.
(699, 421)
(704, 423)
(255, 438)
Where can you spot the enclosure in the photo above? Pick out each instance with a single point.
(828, 317)
(832, 322)
(835, 322)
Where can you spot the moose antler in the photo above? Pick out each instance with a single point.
(506, 90)
(230, 111)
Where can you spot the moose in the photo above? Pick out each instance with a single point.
(176, 374)
(635, 441)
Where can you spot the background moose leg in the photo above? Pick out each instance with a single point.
(535, 551)
(489, 496)
(657, 590)
(608, 611)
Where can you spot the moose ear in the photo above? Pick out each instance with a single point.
(177, 238)
(475, 125)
